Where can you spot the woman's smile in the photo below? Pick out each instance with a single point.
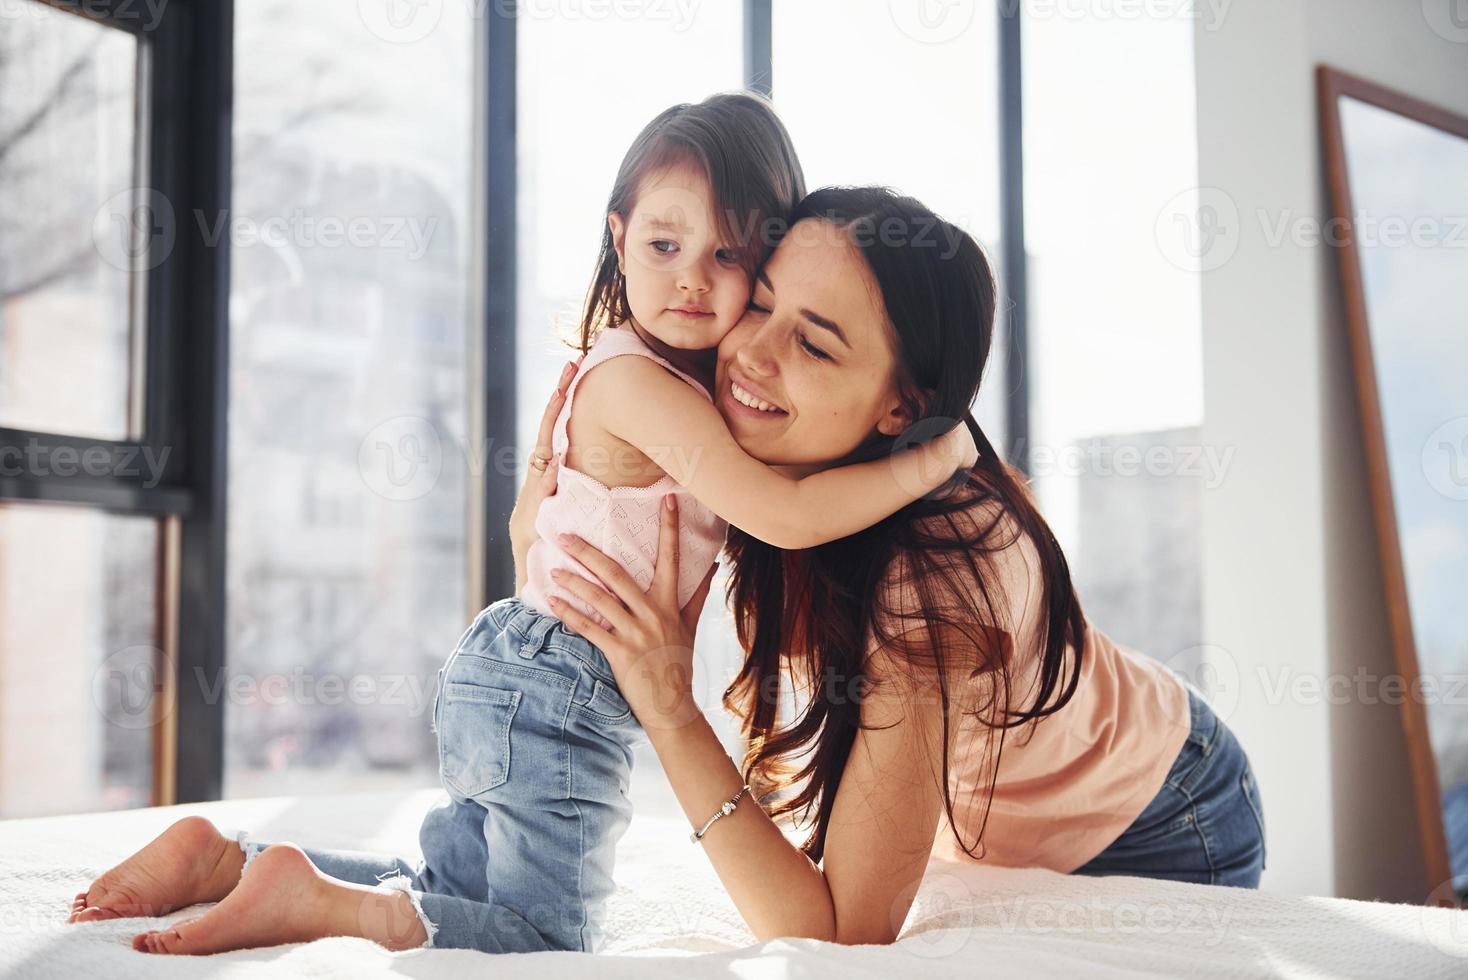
(741, 398)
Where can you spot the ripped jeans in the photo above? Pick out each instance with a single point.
(535, 749)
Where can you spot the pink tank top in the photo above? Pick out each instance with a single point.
(622, 522)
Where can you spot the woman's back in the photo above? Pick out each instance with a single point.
(1071, 782)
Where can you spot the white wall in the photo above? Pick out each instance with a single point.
(1291, 580)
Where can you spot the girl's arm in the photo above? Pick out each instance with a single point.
(682, 432)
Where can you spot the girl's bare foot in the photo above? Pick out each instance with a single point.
(188, 863)
(285, 899)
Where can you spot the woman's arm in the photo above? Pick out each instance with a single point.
(887, 807)
(679, 429)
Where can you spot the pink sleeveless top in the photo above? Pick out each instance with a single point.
(621, 522)
(1070, 783)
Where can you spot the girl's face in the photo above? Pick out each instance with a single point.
(809, 373)
(684, 283)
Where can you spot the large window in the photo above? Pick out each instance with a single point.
(348, 455)
(79, 660)
(81, 654)
(67, 313)
(1116, 395)
(358, 226)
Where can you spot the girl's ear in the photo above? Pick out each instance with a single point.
(618, 228)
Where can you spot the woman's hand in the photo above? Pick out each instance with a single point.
(540, 480)
(650, 643)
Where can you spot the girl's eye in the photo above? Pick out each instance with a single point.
(813, 350)
(724, 255)
(657, 246)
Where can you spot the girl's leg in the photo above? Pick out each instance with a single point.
(189, 863)
(285, 899)
(534, 736)
(360, 867)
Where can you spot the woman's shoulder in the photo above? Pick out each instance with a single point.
(975, 556)
(979, 521)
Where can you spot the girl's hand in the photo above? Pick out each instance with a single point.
(961, 446)
(539, 483)
(650, 644)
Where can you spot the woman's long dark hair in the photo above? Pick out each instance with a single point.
(741, 147)
(821, 607)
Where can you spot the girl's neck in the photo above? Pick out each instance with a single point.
(699, 364)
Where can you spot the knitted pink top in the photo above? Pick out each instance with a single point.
(621, 522)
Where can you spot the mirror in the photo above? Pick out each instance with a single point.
(1398, 172)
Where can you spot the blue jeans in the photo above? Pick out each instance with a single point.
(535, 748)
(1206, 823)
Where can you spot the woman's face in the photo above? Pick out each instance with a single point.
(808, 374)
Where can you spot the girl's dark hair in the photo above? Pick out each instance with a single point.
(822, 606)
(743, 150)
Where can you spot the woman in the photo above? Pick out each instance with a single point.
(958, 703)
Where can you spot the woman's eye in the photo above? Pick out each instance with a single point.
(813, 350)
(657, 246)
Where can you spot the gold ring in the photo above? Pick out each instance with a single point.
(540, 462)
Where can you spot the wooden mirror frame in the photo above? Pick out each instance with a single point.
(1331, 86)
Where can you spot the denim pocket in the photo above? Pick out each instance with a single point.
(606, 704)
(474, 736)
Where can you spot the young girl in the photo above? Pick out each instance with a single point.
(535, 739)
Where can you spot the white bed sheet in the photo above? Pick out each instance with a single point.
(670, 917)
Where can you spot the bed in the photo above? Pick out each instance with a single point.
(670, 918)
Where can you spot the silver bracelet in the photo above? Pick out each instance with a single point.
(726, 808)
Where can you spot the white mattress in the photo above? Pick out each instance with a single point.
(670, 917)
